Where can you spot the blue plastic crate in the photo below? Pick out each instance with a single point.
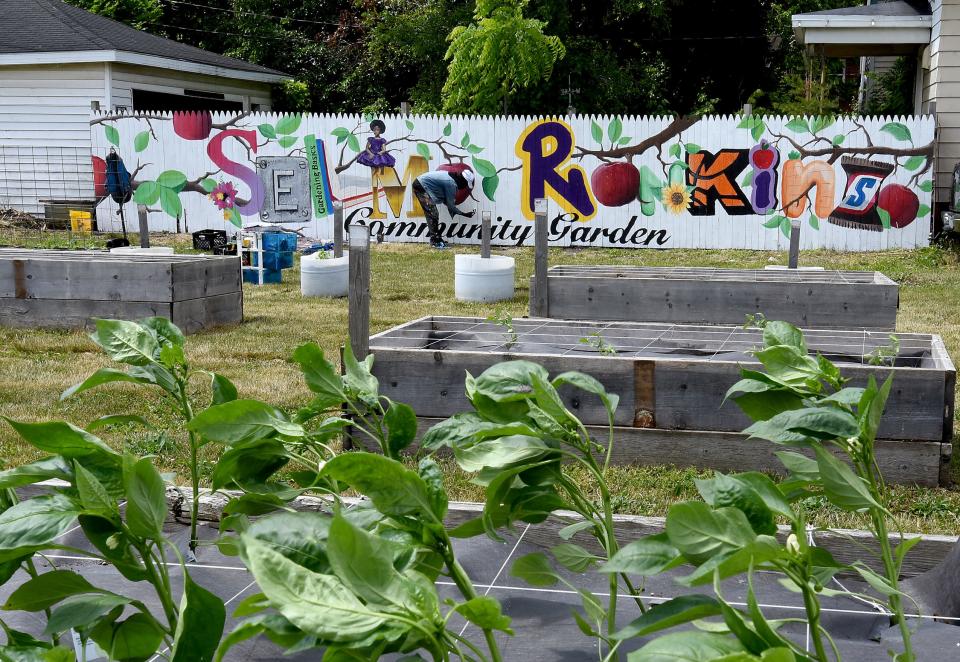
(274, 260)
(269, 276)
(279, 241)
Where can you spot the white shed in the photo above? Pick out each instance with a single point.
(57, 62)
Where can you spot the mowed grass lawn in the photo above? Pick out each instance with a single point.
(407, 282)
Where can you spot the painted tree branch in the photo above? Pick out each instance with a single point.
(675, 128)
(120, 116)
(834, 152)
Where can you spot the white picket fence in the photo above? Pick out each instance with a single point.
(153, 151)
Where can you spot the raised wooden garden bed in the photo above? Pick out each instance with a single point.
(807, 298)
(49, 288)
(671, 380)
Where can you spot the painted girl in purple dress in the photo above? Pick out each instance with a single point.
(374, 155)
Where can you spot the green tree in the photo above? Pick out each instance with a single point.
(138, 13)
(498, 54)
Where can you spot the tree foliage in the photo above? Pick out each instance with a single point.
(498, 54)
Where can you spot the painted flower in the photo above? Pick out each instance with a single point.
(224, 195)
(675, 198)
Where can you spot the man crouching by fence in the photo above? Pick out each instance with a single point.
(440, 186)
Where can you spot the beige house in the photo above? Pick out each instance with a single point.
(878, 32)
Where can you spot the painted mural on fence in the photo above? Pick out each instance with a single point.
(711, 182)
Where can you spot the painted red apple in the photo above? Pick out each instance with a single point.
(764, 157)
(615, 184)
(901, 203)
(99, 177)
(462, 194)
(193, 125)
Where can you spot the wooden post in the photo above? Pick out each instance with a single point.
(337, 228)
(747, 109)
(794, 243)
(359, 296)
(144, 226)
(540, 296)
(485, 235)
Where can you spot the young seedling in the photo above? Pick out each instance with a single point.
(599, 343)
(885, 355)
(755, 321)
(502, 317)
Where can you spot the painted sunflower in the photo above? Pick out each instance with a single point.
(675, 198)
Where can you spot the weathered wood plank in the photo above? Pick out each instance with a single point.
(61, 314)
(105, 280)
(192, 280)
(196, 314)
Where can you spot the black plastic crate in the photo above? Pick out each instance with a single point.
(205, 240)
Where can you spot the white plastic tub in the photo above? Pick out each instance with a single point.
(324, 277)
(483, 279)
(136, 250)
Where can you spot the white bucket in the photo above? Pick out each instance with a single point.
(136, 250)
(324, 277)
(483, 279)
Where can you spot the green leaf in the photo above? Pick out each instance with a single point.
(813, 221)
(93, 495)
(208, 184)
(926, 186)
(500, 452)
(223, 389)
(172, 179)
(700, 532)
(822, 122)
(922, 211)
(35, 523)
(914, 162)
(353, 143)
(624, 140)
(465, 140)
(484, 612)
(113, 136)
(490, 185)
(646, 557)
(771, 494)
(287, 142)
(615, 129)
(689, 645)
(747, 179)
(483, 167)
(799, 466)
(423, 151)
(146, 193)
(535, 570)
(692, 148)
(793, 155)
(735, 561)
(358, 377)
(78, 611)
(249, 462)
(509, 381)
(785, 228)
(114, 544)
(759, 128)
(884, 217)
(569, 531)
(300, 537)
(774, 221)
(574, 557)
(202, 616)
(34, 472)
(267, 131)
(448, 129)
(126, 342)
(843, 488)
(243, 420)
(60, 438)
(784, 333)
(798, 125)
(146, 500)
(401, 422)
(394, 489)
(897, 130)
(432, 476)
(839, 139)
(587, 383)
(141, 141)
(234, 218)
(340, 132)
(674, 150)
(318, 604)
(671, 613)
(474, 149)
(723, 491)
(135, 638)
(170, 202)
(320, 374)
(288, 124)
(596, 132)
(48, 589)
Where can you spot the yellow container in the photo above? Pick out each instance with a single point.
(81, 221)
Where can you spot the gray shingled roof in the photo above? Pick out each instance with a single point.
(46, 26)
(896, 8)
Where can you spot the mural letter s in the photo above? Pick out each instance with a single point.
(544, 147)
(247, 175)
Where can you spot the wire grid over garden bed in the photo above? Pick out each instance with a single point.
(737, 275)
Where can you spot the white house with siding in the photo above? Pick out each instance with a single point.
(57, 62)
(927, 31)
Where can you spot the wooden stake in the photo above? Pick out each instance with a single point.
(337, 228)
(794, 244)
(359, 295)
(485, 235)
(144, 226)
(540, 296)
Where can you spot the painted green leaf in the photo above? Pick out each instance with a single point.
(208, 184)
(922, 210)
(490, 185)
(884, 217)
(113, 136)
(353, 143)
(746, 122)
(814, 221)
(409, 125)
(774, 222)
(289, 124)
(596, 132)
(170, 202)
(624, 140)
(798, 125)
(822, 122)
(615, 129)
(287, 142)
(758, 129)
(340, 132)
(483, 167)
(448, 129)
(747, 180)
(793, 155)
(785, 227)
(897, 130)
(465, 140)
(692, 148)
(141, 141)
(914, 162)
(267, 131)
(235, 218)
(926, 186)
(146, 193)
(423, 151)
(674, 150)
(839, 139)
(172, 179)
(474, 149)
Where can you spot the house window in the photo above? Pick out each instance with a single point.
(147, 100)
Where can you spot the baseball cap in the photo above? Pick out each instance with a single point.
(469, 177)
